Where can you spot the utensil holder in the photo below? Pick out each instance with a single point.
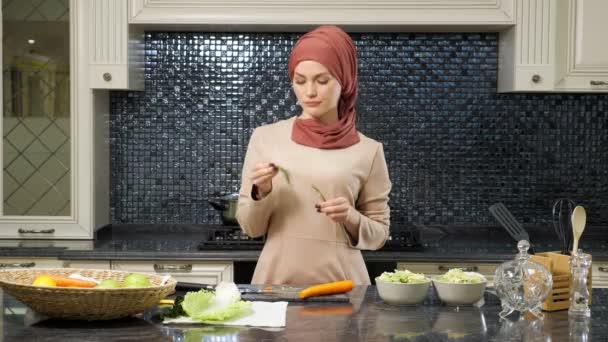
(559, 266)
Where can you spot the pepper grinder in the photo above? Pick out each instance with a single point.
(579, 293)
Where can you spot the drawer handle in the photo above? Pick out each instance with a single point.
(603, 269)
(173, 268)
(466, 269)
(18, 265)
(34, 231)
(107, 76)
(598, 83)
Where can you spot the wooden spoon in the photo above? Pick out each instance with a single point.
(579, 217)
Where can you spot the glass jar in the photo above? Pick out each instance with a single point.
(522, 284)
(579, 293)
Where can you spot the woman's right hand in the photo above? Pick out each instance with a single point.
(261, 176)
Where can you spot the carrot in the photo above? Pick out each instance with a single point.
(70, 282)
(327, 289)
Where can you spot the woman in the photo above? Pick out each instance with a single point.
(330, 199)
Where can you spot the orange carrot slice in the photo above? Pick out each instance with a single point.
(70, 282)
(327, 289)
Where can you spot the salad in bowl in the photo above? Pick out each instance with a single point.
(458, 287)
(402, 287)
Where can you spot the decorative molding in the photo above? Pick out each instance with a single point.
(107, 32)
(534, 26)
(292, 12)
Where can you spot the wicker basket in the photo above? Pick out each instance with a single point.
(84, 303)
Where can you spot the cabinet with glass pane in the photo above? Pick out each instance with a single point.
(48, 132)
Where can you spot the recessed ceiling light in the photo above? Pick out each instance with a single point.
(31, 41)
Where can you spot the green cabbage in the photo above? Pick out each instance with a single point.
(403, 277)
(458, 276)
(223, 304)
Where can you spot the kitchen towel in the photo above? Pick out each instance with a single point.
(265, 314)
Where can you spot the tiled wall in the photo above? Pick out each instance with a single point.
(453, 145)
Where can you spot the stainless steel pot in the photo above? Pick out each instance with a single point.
(227, 205)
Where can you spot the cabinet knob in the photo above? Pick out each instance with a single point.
(107, 76)
(35, 231)
(598, 83)
(536, 78)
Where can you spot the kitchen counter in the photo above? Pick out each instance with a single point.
(482, 244)
(366, 318)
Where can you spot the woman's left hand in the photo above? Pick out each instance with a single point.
(337, 209)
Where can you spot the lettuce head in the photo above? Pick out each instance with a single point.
(216, 306)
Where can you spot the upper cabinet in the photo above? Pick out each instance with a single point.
(116, 40)
(116, 53)
(47, 143)
(582, 45)
(290, 14)
(555, 46)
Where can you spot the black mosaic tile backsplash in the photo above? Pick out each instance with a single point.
(453, 145)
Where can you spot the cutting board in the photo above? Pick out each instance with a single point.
(278, 293)
(288, 294)
(293, 297)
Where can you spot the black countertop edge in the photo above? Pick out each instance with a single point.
(240, 255)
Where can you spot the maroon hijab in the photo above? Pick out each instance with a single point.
(333, 48)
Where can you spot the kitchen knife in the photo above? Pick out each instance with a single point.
(186, 286)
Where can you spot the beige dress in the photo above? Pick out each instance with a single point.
(304, 246)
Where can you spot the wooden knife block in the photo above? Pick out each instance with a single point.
(559, 266)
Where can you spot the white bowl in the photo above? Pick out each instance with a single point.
(402, 293)
(459, 294)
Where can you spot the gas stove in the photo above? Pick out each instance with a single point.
(233, 238)
(229, 237)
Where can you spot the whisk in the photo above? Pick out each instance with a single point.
(562, 213)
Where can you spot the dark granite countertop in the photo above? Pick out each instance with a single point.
(365, 318)
(171, 242)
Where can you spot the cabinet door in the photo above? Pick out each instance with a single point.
(11, 263)
(88, 264)
(188, 271)
(45, 164)
(584, 59)
(433, 269)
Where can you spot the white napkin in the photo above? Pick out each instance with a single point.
(265, 314)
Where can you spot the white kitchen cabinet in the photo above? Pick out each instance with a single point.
(202, 272)
(27, 262)
(555, 46)
(582, 51)
(433, 269)
(599, 274)
(116, 49)
(455, 15)
(52, 187)
(88, 264)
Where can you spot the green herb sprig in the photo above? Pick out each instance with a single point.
(319, 192)
(285, 173)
